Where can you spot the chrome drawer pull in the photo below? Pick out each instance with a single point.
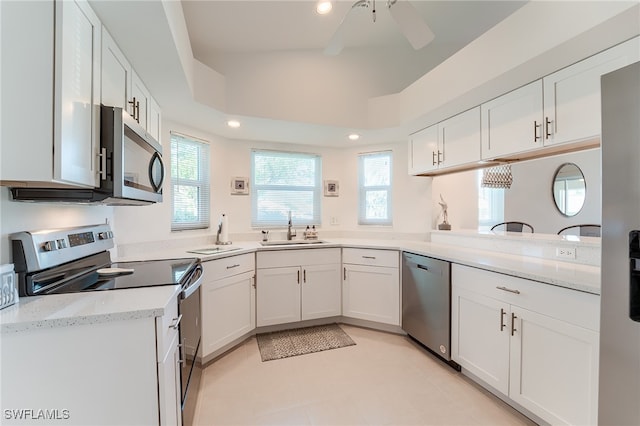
(233, 266)
(513, 323)
(369, 257)
(502, 313)
(508, 289)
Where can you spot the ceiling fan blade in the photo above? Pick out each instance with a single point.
(337, 41)
(411, 24)
(336, 44)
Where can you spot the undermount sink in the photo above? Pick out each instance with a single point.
(213, 250)
(290, 242)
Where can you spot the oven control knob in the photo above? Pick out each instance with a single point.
(61, 244)
(105, 235)
(50, 246)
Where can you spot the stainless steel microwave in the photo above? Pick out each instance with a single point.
(131, 160)
(131, 171)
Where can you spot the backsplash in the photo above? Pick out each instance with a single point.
(544, 246)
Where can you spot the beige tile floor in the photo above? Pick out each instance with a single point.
(385, 379)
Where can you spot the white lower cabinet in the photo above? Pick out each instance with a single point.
(297, 285)
(371, 287)
(228, 301)
(535, 343)
(121, 371)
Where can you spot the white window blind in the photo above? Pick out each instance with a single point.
(490, 205)
(374, 183)
(190, 183)
(283, 182)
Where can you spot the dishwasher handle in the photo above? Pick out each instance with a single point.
(426, 268)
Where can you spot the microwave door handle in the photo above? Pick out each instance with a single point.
(156, 185)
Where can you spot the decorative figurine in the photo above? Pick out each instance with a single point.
(445, 225)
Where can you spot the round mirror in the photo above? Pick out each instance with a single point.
(569, 189)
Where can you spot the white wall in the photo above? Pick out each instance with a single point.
(20, 216)
(230, 158)
(460, 192)
(530, 198)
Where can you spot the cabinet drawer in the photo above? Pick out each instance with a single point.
(576, 307)
(228, 266)
(356, 256)
(310, 256)
(165, 331)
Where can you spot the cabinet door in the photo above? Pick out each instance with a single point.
(155, 119)
(321, 291)
(278, 295)
(228, 311)
(141, 97)
(116, 75)
(460, 138)
(572, 95)
(554, 369)
(77, 93)
(512, 123)
(423, 150)
(480, 337)
(169, 386)
(371, 293)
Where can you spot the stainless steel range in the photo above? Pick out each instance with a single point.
(77, 259)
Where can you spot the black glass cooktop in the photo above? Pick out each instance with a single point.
(143, 274)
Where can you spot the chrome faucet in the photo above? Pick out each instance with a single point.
(290, 232)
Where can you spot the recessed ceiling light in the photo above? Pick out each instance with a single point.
(324, 7)
(234, 124)
(354, 137)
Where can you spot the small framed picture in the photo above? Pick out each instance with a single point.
(239, 186)
(331, 188)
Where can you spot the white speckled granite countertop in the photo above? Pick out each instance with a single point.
(103, 306)
(60, 310)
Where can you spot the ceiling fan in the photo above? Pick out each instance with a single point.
(415, 30)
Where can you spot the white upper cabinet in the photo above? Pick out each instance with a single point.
(572, 95)
(51, 93)
(423, 151)
(448, 144)
(116, 75)
(122, 87)
(513, 123)
(563, 108)
(459, 139)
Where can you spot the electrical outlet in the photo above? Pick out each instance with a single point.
(566, 252)
(334, 220)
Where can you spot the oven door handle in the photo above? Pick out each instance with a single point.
(195, 280)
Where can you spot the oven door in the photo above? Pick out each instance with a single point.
(190, 336)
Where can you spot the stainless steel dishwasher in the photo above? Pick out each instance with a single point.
(426, 303)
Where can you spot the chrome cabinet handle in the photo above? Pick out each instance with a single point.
(535, 131)
(298, 276)
(253, 281)
(369, 257)
(502, 313)
(345, 273)
(304, 275)
(181, 347)
(547, 123)
(103, 163)
(176, 323)
(433, 158)
(233, 266)
(133, 107)
(513, 323)
(439, 154)
(508, 289)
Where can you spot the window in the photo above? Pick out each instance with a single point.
(190, 183)
(285, 182)
(490, 205)
(374, 183)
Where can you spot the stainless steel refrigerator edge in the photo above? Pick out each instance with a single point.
(619, 381)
